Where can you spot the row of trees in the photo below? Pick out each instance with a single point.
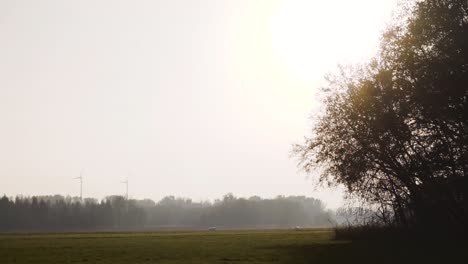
(253, 212)
(58, 213)
(395, 131)
(67, 213)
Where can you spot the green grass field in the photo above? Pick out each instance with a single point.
(276, 246)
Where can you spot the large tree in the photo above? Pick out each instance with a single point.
(395, 131)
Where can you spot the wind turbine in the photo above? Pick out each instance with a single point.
(126, 182)
(81, 184)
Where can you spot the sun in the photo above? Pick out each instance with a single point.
(311, 37)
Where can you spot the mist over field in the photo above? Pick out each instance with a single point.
(58, 213)
(219, 131)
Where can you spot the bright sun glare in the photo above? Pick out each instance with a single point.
(311, 37)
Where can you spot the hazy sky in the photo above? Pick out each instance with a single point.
(189, 98)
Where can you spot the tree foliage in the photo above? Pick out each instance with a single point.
(58, 213)
(395, 131)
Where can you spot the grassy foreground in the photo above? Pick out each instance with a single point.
(276, 246)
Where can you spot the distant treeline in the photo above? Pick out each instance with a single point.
(59, 213)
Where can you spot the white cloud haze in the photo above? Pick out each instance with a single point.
(190, 98)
